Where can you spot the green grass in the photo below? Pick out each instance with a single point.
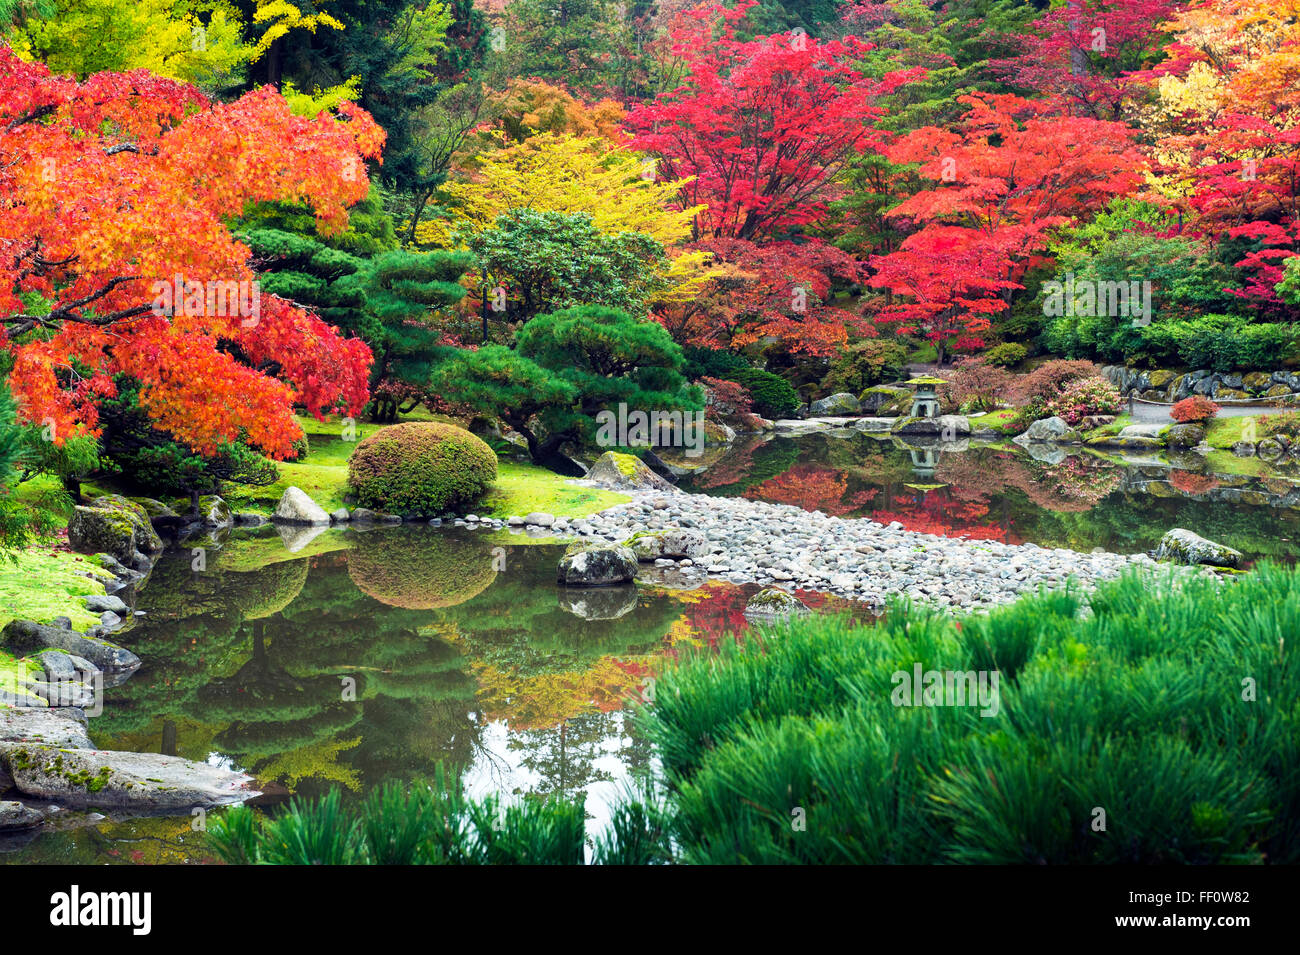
(522, 488)
(1141, 708)
(323, 474)
(40, 585)
(1223, 433)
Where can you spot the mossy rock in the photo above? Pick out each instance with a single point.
(1256, 380)
(885, 401)
(1161, 378)
(596, 565)
(1185, 547)
(773, 602)
(1231, 394)
(625, 472)
(114, 525)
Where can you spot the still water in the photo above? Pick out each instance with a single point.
(365, 657)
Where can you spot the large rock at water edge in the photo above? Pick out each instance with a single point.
(1044, 429)
(839, 404)
(107, 778)
(772, 603)
(624, 472)
(296, 507)
(26, 637)
(117, 526)
(1184, 547)
(673, 542)
(596, 565)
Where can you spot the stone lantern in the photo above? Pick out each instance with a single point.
(925, 404)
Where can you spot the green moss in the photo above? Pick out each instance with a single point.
(523, 488)
(41, 584)
(1223, 433)
(626, 463)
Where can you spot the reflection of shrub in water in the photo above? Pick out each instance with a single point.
(420, 569)
(1077, 484)
(270, 589)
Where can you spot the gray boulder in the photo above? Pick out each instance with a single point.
(116, 526)
(106, 778)
(14, 816)
(25, 637)
(58, 665)
(296, 507)
(1184, 547)
(623, 472)
(539, 519)
(874, 425)
(100, 603)
(60, 728)
(214, 512)
(596, 565)
(251, 519)
(341, 516)
(1044, 429)
(771, 602)
(838, 404)
(673, 542)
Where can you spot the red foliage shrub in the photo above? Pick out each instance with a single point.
(1195, 408)
(976, 385)
(1049, 379)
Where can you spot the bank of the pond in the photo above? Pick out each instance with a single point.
(744, 541)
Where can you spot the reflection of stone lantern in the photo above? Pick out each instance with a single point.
(924, 461)
(926, 403)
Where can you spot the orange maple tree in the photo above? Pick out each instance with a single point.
(121, 186)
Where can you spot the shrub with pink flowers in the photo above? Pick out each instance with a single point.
(1195, 408)
(1083, 397)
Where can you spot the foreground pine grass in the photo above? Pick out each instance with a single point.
(1160, 723)
(1166, 712)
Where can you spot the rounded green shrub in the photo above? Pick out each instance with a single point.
(420, 469)
(772, 395)
(1006, 355)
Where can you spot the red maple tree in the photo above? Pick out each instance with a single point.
(122, 185)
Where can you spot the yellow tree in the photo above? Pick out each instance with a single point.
(560, 172)
(200, 41)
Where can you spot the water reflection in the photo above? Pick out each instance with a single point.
(1078, 500)
(365, 657)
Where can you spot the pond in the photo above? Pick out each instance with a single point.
(1085, 501)
(374, 656)
(368, 656)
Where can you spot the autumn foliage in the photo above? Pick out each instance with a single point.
(123, 183)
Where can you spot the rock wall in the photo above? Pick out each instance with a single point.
(1162, 385)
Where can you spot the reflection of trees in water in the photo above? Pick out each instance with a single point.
(268, 691)
(250, 664)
